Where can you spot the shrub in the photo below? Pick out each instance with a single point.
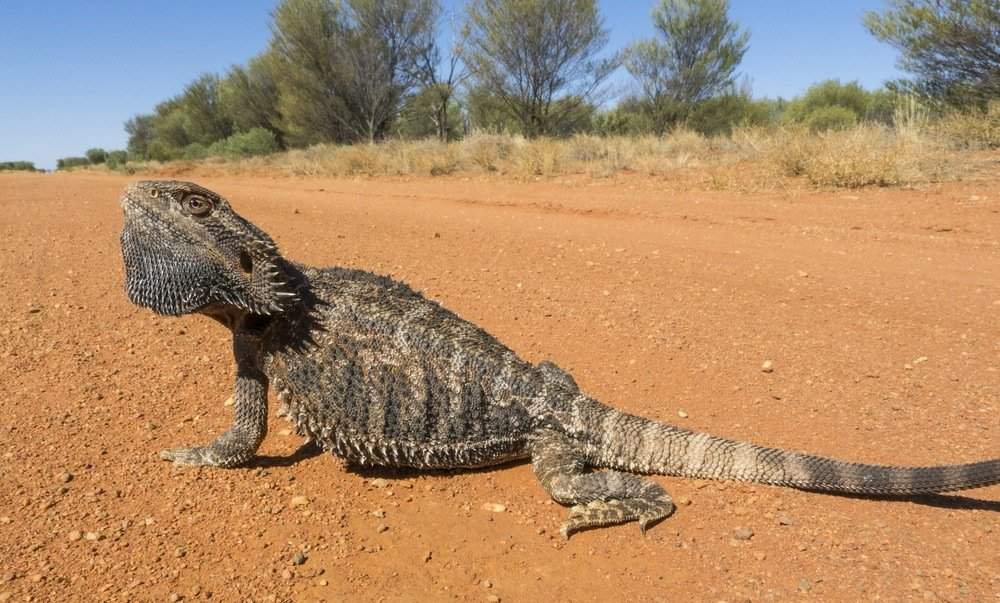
(974, 128)
(67, 163)
(96, 155)
(10, 166)
(862, 156)
(195, 150)
(253, 142)
(832, 117)
(116, 159)
(487, 151)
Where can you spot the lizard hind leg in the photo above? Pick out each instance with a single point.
(598, 499)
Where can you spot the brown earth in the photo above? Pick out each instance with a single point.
(878, 308)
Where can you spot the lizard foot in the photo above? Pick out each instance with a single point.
(601, 513)
(196, 456)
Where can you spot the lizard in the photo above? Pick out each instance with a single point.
(379, 375)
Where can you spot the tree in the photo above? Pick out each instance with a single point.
(346, 67)
(304, 43)
(440, 80)
(96, 155)
(952, 47)
(140, 135)
(694, 58)
(249, 97)
(538, 58)
(204, 120)
(384, 41)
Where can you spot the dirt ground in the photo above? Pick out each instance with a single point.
(879, 309)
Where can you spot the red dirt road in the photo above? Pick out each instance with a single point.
(880, 310)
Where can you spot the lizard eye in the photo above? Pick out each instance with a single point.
(197, 206)
(154, 193)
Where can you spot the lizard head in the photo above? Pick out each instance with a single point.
(186, 250)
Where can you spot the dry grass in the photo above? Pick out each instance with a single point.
(862, 156)
(915, 152)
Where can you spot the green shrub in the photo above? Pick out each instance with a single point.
(621, 122)
(116, 159)
(830, 118)
(10, 166)
(96, 155)
(67, 163)
(195, 150)
(253, 142)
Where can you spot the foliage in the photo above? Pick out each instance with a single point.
(67, 163)
(719, 115)
(140, 135)
(11, 166)
(346, 67)
(96, 155)
(831, 104)
(116, 159)
(693, 59)
(256, 141)
(422, 117)
(952, 47)
(535, 62)
(249, 96)
(832, 117)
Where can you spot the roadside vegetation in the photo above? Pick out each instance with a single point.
(17, 166)
(366, 87)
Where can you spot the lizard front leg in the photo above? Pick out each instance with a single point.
(240, 442)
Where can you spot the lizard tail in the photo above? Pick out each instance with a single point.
(630, 443)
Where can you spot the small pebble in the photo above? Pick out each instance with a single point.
(299, 558)
(682, 414)
(379, 513)
(92, 536)
(767, 367)
(742, 533)
(286, 574)
(75, 535)
(379, 482)
(323, 582)
(494, 507)
(65, 477)
(229, 401)
(298, 501)
(493, 599)
(382, 528)
(784, 520)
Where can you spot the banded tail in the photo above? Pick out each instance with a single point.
(630, 443)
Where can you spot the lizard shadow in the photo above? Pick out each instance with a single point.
(310, 450)
(370, 471)
(305, 451)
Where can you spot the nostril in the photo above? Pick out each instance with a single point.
(246, 262)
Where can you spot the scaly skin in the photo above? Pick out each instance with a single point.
(379, 375)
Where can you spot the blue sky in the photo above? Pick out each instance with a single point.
(71, 72)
